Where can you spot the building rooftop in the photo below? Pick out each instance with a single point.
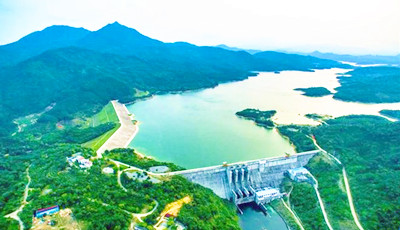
(267, 192)
(300, 170)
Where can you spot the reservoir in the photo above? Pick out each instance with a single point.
(199, 128)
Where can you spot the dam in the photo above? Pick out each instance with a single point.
(248, 181)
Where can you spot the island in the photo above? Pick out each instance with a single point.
(261, 118)
(314, 91)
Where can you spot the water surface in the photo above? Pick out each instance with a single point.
(200, 128)
(253, 218)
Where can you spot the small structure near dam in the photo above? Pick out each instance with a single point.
(248, 181)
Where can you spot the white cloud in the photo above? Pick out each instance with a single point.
(342, 26)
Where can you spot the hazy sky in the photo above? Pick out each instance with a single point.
(341, 26)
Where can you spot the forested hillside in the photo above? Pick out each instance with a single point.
(96, 199)
(80, 71)
(370, 85)
(36, 43)
(372, 168)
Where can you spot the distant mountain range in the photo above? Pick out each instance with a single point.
(358, 59)
(362, 59)
(81, 71)
(250, 51)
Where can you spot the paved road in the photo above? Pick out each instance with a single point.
(293, 214)
(321, 203)
(347, 185)
(125, 133)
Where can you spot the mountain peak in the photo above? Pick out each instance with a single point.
(118, 39)
(118, 29)
(116, 23)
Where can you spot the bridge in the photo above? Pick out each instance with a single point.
(247, 181)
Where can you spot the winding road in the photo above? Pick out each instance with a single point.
(138, 216)
(14, 215)
(346, 182)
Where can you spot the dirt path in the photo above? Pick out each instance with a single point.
(14, 215)
(124, 134)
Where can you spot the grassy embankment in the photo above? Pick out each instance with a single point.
(107, 114)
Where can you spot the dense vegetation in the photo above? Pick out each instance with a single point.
(96, 199)
(305, 203)
(370, 85)
(372, 168)
(262, 118)
(314, 91)
(80, 71)
(299, 136)
(391, 113)
(129, 157)
(205, 211)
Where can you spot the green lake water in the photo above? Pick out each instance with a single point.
(200, 128)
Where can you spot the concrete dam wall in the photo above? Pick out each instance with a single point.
(240, 181)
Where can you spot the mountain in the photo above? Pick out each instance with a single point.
(118, 39)
(363, 59)
(275, 61)
(82, 81)
(36, 43)
(80, 71)
(358, 59)
(250, 51)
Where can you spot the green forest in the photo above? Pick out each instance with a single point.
(372, 168)
(81, 71)
(395, 114)
(96, 200)
(370, 85)
(58, 82)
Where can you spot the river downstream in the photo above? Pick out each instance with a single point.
(200, 128)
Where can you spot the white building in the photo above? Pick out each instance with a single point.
(83, 163)
(267, 194)
(108, 170)
(298, 174)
